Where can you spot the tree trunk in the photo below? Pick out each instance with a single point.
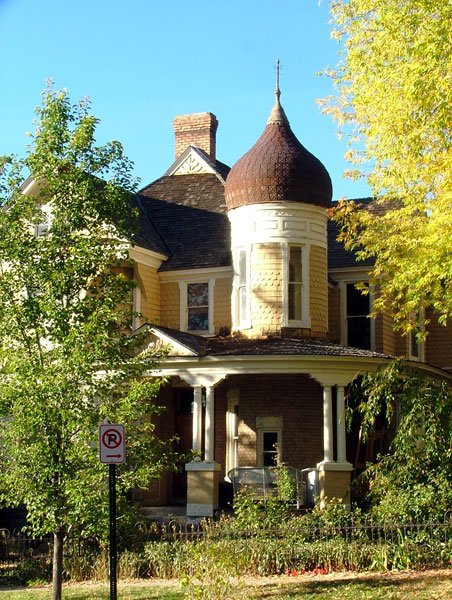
(57, 567)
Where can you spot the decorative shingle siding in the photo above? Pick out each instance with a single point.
(385, 338)
(170, 303)
(318, 291)
(148, 281)
(438, 346)
(266, 289)
(222, 305)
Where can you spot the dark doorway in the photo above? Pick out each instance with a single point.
(183, 428)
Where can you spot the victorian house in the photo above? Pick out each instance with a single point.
(240, 277)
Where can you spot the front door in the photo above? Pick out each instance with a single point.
(183, 428)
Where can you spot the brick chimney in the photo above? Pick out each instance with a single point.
(199, 130)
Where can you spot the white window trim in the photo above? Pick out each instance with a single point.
(421, 346)
(136, 306)
(266, 425)
(43, 227)
(237, 324)
(305, 322)
(183, 304)
(343, 309)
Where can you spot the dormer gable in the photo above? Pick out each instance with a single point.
(194, 161)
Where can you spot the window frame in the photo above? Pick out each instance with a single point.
(305, 320)
(184, 308)
(420, 354)
(240, 323)
(268, 425)
(344, 310)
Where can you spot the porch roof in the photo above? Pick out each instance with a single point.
(195, 355)
(231, 346)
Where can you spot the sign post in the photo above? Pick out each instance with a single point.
(112, 450)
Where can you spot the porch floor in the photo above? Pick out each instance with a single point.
(165, 514)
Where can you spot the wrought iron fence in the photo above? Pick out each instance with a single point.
(17, 551)
(351, 529)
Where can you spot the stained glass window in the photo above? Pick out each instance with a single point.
(198, 306)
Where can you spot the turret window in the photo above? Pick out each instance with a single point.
(296, 277)
(295, 292)
(242, 308)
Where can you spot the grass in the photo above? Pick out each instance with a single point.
(426, 585)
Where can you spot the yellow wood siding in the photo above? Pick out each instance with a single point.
(438, 345)
(222, 305)
(318, 291)
(148, 280)
(170, 303)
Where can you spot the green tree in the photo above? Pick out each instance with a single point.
(414, 479)
(394, 91)
(67, 359)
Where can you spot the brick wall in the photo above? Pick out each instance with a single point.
(197, 130)
(318, 291)
(170, 305)
(298, 399)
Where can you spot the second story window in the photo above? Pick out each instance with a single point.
(296, 278)
(357, 317)
(415, 343)
(198, 307)
(242, 288)
(295, 283)
(42, 227)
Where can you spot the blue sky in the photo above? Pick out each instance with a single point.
(144, 62)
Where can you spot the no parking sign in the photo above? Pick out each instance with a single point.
(112, 445)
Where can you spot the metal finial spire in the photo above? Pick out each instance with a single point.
(277, 90)
(277, 114)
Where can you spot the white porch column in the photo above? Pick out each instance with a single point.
(340, 425)
(197, 418)
(209, 424)
(327, 425)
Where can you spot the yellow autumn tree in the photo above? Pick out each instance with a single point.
(393, 96)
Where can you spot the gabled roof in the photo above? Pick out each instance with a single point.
(338, 256)
(203, 189)
(194, 160)
(195, 238)
(146, 235)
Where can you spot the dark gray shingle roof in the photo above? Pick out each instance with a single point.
(202, 190)
(195, 238)
(230, 346)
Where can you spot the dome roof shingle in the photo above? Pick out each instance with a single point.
(278, 168)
